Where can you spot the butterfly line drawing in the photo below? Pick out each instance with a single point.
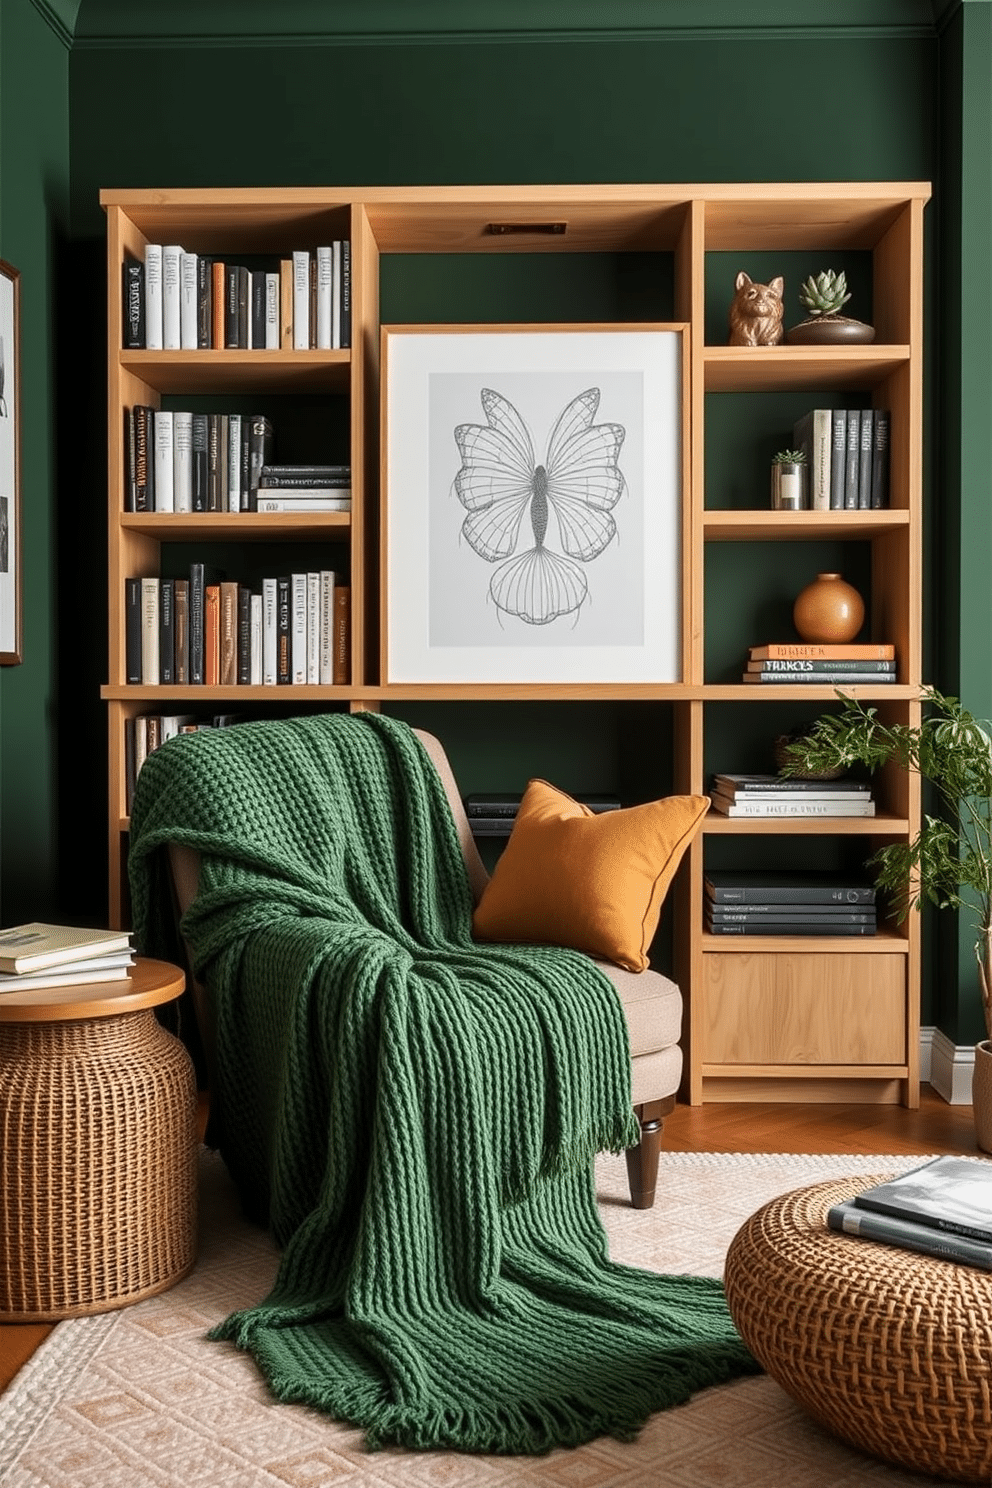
(568, 501)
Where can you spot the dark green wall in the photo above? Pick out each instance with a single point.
(34, 225)
(885, 100)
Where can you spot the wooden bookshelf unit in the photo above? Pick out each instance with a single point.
(818, 1018)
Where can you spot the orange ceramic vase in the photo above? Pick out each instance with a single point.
(828, 610)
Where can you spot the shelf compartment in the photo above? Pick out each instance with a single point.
(236, 526)
(764, 369)
(765, 525)
(209, 371)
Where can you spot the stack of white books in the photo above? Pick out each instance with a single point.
(943, 1209)
(38, 955)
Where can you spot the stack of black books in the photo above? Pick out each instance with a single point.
(750, 903)
(943, 1208)
(492, 814)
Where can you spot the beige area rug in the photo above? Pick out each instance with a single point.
(140, 1397)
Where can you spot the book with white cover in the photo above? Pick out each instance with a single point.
(301, 300)
(38, 981)
(36, 944)
(182, 460)
(794, 807)
(165, 488)
(324, 297)
(172, 255)
(153, 296)
(188, 308)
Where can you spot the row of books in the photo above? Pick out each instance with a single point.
(783, 795)
(492, 813)
(37, 955)
(857, 662)
(943, 1209)
(149, 731)
(847, 457)
(211, 631)
(751, 903)
(179, 301)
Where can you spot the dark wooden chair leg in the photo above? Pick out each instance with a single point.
(642, 1160)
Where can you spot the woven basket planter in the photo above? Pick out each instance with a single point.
(98, 1152)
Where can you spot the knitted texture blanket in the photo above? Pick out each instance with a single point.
(413, 1114)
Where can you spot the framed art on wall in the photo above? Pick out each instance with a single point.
(10, 466)
(532, 480)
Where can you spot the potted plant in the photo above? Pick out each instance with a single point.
(789, 480)
(949, 862)
(822, 298)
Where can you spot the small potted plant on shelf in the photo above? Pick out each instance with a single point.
(789, 480)
(822, 298)
(949, 862)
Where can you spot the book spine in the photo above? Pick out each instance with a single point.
(181, 612)
(213, 462)
(838, 458)
(301, 300)
(342, 634)
(244, 307)
(228, 668)
(848, 1219)
(133, 290)
(824, 651)
(271, 311)
(345, 292)
(853, 461)
(336, 293)
(325, 297)
(270, 632)
(775, 914)
(197, 585)
(204, 301)
(826, 675)
(182, 460)
(165, 494)
(790, 894)
(211, 635)
(234, 462)
(313, 629)
(130, 462)
(259, 452)
(795, 808)
(864, 463)
(188, 302)
(805, 665)
(231, 314)
(284, 630)
(325, 660)
(270, 480)
(255, 640)
(132, 632)
(200, 461)
(144, 458)
(166, 632)
(265, 503)
(153, 296)
(800, 928)
(258, 309)
(298, 662)
(243, 671)
(172, 255)
(149, 632)
(286, 304)
(218, 305)
(880, 459)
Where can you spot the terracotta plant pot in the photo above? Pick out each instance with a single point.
(828, 610)
(981, 1094)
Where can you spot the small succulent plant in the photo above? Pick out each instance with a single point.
(789, 457)
(825, 294)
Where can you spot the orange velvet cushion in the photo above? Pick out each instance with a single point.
(596, 883)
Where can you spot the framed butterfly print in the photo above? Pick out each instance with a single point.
(532, 503)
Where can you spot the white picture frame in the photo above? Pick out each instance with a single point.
(532, 500)
(10, 467)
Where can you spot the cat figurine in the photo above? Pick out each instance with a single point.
(756, 312)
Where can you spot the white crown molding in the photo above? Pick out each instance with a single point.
(105, 23)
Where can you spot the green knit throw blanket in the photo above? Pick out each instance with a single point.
(414, 1114)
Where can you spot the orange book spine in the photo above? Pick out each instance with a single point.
(218, 304)
(211, 635)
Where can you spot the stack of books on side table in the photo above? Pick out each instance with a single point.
(943, 1209)
(867, 662)
(492, 814)
(784, 795)
(38, 956)
(749, 903)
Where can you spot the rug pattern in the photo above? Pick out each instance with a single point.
(140, 1397)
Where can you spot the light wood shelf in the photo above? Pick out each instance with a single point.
(874, 981)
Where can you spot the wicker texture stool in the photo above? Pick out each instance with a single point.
(97, 1161)
(890, 1350)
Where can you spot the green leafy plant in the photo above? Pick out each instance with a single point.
(949, 862)
(825, 294)
(789, 457)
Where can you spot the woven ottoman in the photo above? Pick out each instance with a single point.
(889, 1350)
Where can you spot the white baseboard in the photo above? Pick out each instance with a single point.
(946, 1067)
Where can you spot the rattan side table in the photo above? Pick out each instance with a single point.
(98, 1145)
(890, 1350)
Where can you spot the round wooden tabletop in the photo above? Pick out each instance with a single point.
(147, 984)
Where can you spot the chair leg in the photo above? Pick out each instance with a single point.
(642, 1160)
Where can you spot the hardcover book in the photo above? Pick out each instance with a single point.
(751, 886)
(30, 947)
(949, 1193)
(906, 1234)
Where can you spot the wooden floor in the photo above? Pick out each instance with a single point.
(935, 1127)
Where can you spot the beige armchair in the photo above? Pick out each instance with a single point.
(652, 1004)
